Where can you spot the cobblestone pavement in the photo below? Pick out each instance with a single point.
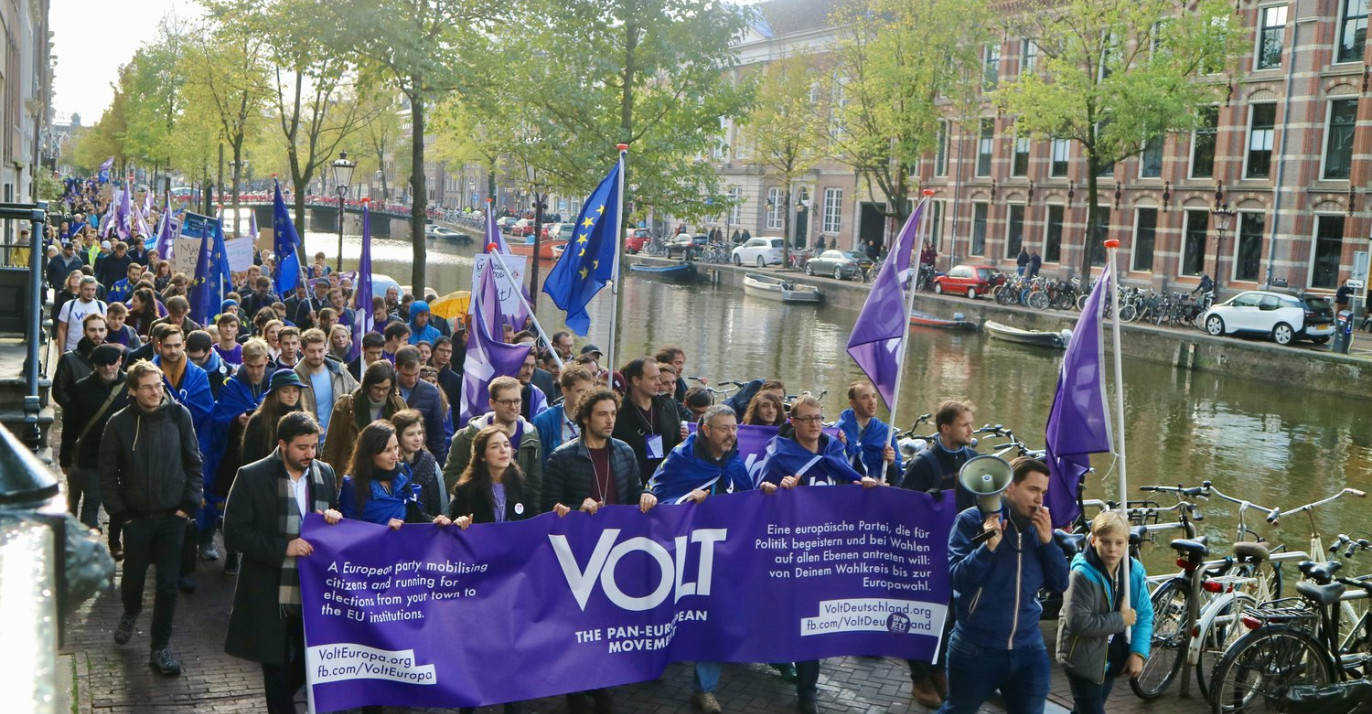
(109, 679)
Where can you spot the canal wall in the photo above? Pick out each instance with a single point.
(1303, 367)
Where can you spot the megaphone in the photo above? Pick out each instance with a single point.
(985, 477)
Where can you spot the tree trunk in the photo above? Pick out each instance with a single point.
(300, 186)
(420, 190)
(237, 172)
(1089, 243)
(786, 229)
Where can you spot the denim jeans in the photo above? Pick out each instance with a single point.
(975, 672)
(155, 542)
(1089, 697)
(707, 676)
(83, 495)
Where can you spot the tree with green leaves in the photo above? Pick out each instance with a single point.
(900, 67)
(152, 84)
(1114, 74)
(786, 132)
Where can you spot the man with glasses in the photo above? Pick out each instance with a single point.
(505, 402)
(150, 481)
(809, 458)
(705, 464)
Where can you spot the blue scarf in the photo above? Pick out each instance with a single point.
(687, 468)
(786, 457)
(868, 445)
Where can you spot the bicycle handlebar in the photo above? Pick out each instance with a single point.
(1277, 513)
(1202, 491)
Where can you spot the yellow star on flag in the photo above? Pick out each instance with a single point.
(600, 210)
(583, 252)
(588, 222)
(595, 264)
(583, 273)
(584, 237)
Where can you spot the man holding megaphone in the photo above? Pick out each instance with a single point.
(1000, 553)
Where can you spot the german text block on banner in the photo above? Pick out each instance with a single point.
(430, 616)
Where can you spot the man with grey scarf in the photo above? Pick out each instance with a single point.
(267, 502)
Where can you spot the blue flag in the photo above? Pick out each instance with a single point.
(878, 340)
(287, 262)
(211, 275)
(588, 262)
(362, 305)
(1078, 423)
(105, 170)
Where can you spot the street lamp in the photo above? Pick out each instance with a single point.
(471, 192)
(539, 204)
(342, 177)
(1223, 217)
(381, 180)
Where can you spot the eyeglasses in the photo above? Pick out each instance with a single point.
(507, 402)
(809, 419)
(378, 388)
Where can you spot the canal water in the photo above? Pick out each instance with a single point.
(1274, 444)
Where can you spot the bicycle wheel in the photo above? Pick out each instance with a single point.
(1038, 300)
(1170, 636)
(1128, 312)
(1260, 667)
(1223, 630)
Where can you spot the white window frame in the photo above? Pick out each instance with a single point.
(1258, 36)
(1063, 147)
(986, 146)
(736, 207)
(1028, 61)
(1328, 126)
(1270, 140)
(832, 221)
(1162, 158)
(986, 234)
(1023, 226)
(1186, 231)
(990, 58)
(1028, 153)
(1343, 25)
(1134, 241)
(941, 152)
(1238, 235)
(1047, 224)
(1191, 155)
(773, 216)
(1315, 243)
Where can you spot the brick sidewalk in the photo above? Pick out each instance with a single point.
(110, 679)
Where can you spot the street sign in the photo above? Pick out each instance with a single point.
(1359, 267)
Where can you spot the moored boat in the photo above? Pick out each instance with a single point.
(545, 248)
(683, 272)
(1028, 337)
(924, 319)
(772, 288)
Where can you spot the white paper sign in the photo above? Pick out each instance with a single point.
(239, 252)
(509, 298)
(185, 251)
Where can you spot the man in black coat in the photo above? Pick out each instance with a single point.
(262, 520)
(422, 397)
(649, 424)
(96, 398)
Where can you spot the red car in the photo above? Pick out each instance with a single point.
(637, 240)
(969, 280)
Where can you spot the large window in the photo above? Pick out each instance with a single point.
(1020, 167)
(1328, 251)
(735, 205)
(1052, 235)
(1028, 56)
(941, 153)
(936, 225)
(1145, 236)
(1353, 31)
(1014, 231)
(979, 211)
(1150, 161)
(990, 69)
(1271, 31)
(1097, 244)
(833, 210)
(1338, 139)
(1248, 246)
(1262, 120)
(985, 143)
(1203, 143)
(1062, 152)
(776, 207)
(1193, 242)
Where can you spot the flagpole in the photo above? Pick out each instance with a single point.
(618, 268)
(905, 336)
(1112, 246)
(515, 286)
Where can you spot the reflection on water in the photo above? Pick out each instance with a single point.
(1269, 442)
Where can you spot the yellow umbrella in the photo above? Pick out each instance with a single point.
(452, 305)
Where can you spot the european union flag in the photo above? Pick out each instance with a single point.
(211, 277)
(287, 263)
(588, 262)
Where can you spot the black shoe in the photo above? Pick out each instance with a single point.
(186, 584)
(124, 630)
(231, 562)
(602, 701)
(806, 705)
(165, 662)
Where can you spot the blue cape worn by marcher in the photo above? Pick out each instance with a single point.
(688, 468)
(785, 458)
(382, 505)
(869, 443)
(238, 396)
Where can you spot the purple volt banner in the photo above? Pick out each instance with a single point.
(429, 616)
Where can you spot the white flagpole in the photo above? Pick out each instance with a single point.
(519, 293)
(1112, 246)
(905, 324)
(618, 269)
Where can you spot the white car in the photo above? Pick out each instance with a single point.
(1284, 318)
(759, 251)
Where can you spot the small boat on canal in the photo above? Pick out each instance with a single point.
(1038, 338)
(683, 272)
(545, 249)
(924, 319)
(787, 291)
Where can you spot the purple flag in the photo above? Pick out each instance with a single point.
(1078, 423)
(487, 357)
(124, 219)
(362, 299)
(878, 340)
(165, 234)
(493, 236)
(439, 617)
(495, 309)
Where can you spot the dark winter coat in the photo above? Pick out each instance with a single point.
(569, 476)
(140, 473)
